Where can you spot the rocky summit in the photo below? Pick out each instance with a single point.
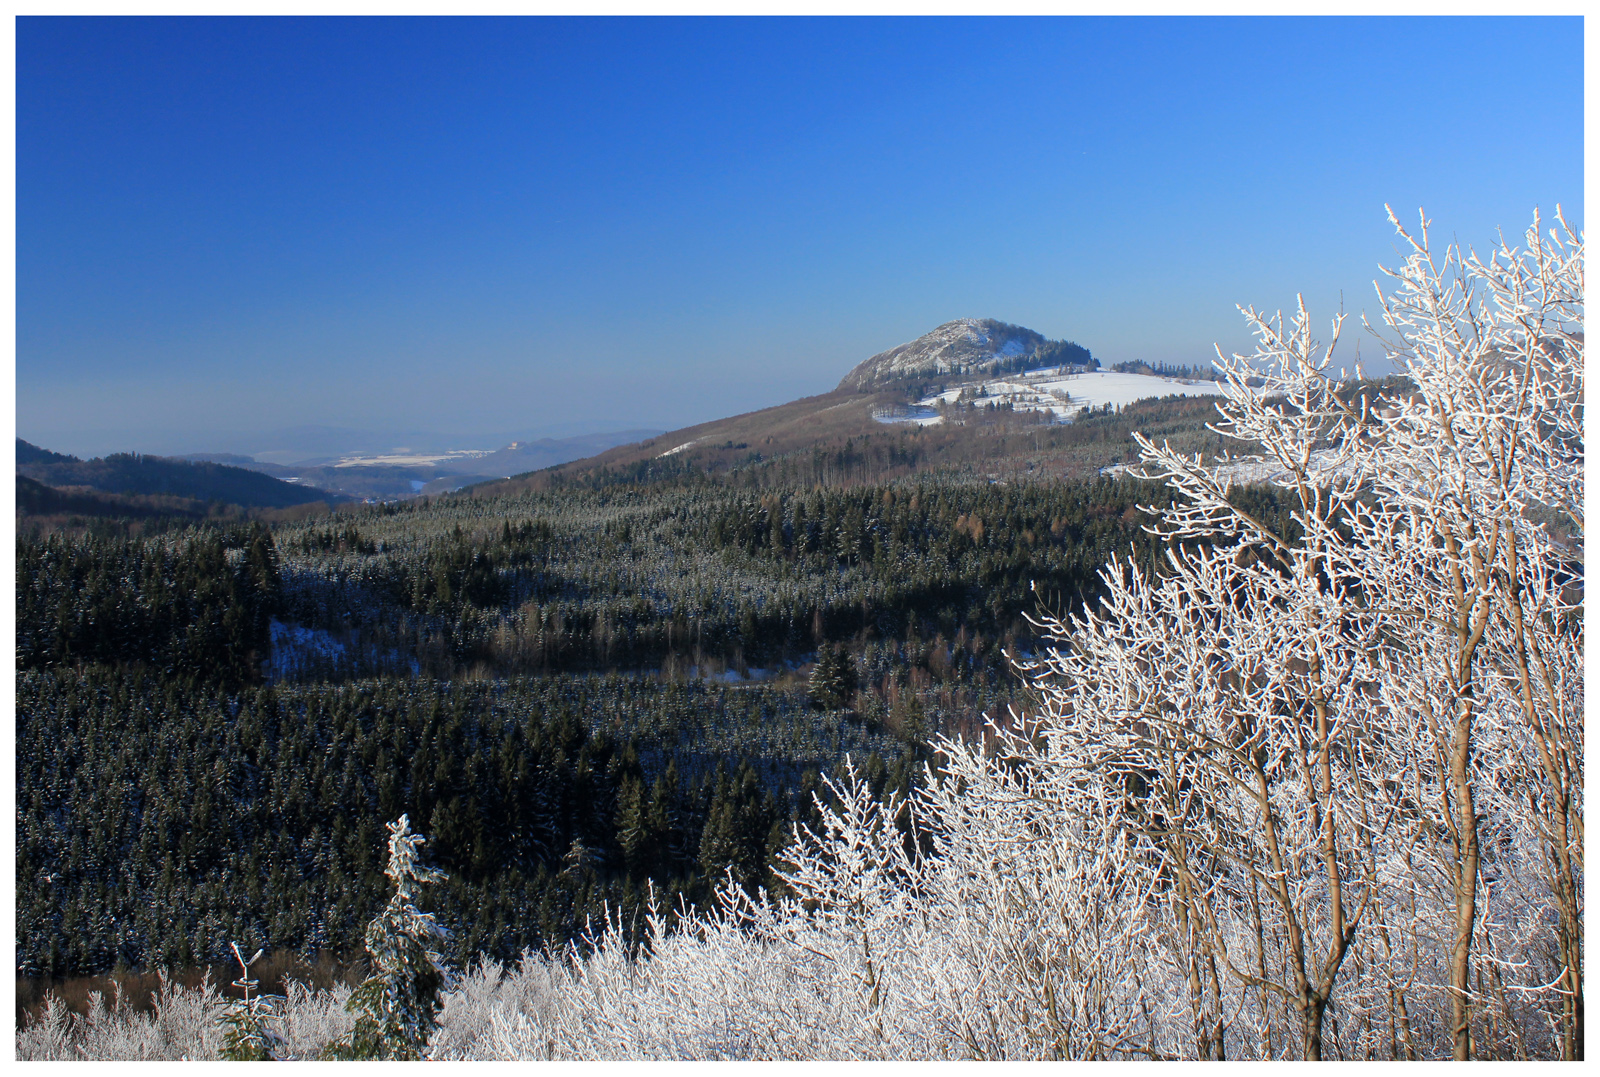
(964, 346)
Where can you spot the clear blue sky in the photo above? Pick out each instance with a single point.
(553, 226)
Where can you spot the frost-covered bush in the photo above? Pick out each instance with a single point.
(183, 1024)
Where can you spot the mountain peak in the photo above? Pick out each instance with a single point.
(964, 346)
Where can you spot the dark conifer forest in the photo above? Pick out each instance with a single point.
(583, 694)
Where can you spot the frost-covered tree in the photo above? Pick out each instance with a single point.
(1302, 737)
(1478, 477)
(246, 1035)
(397, 1007)
(1315, 789)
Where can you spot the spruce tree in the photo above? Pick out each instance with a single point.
(833, 678)
(246, 1037)
(397, 1007)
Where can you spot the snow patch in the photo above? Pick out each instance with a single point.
(295, 646)
(920, 415)
(1063, 395)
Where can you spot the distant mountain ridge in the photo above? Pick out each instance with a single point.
(28, 453)
(131, 473)
(966, 346)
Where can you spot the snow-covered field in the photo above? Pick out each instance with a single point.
(1062, 395)
(404, 458)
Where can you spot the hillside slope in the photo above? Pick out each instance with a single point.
(842, 439)
(131, 473)
(1007, 402)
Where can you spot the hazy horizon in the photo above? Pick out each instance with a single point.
(311, 441)
(227, 228)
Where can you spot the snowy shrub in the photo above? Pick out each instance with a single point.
(184, 1024)
(246, 1035)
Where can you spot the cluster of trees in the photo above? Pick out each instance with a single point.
(631, 578)
(1046, 353)
(195, 606)
(1164, 370)
(159, 820)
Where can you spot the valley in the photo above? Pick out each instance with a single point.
(641, 629)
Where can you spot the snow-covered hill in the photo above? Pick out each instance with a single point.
(964, 347)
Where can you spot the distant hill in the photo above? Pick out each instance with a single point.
(47, 507)
(28, 453)
(133, 474)
(249, 463)
(992, 422)
(962, 348)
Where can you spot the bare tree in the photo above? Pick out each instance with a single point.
(1479, 505)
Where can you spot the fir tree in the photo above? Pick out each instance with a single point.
(397, 1007)
(833, 678)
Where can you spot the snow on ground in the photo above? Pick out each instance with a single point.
(405, 458)
(1098, 388)
(920, 415)
(294, 646)
(680, 448)
(1063, 395)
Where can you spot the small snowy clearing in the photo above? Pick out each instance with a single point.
(295, 646)
(920, 415)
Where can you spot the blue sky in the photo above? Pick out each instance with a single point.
(539, 227)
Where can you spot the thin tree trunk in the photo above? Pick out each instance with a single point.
(1466, 889)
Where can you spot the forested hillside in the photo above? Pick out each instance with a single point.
(216, 719)
(160, 820)
(132, 473)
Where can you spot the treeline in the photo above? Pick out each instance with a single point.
(1163, 370)
(157, 822)
(193, 607)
